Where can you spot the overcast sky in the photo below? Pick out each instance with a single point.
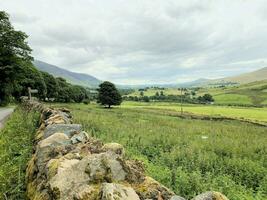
(145, 41)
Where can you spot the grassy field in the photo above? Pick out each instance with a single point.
(230, 98)
(189, 156)
(249, 113)
(246, 94)
(152, 91)
(16, 140)
(249, 94)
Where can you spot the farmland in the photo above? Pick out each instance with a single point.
(249, 113)
(249, 94)
(254, 93)
(187, 155)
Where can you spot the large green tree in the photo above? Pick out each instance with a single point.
(108, 94)
(64, 91)
(52, 85)
(28, 76)
(78, 93)
(13, 51)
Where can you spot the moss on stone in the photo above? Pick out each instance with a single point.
(52, 168)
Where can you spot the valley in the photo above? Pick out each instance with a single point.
(133, 100)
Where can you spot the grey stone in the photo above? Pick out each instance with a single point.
(67, 129)
(112, 191)
(56, 139)
(80, 137)
(50, 148)
(211, 195)
(177, 198)
(105, 167)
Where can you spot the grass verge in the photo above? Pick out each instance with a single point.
(16, 140)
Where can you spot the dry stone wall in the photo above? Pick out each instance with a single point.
(68, 164)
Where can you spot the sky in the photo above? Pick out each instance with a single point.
(145, 41)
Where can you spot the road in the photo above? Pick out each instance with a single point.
(4, 113)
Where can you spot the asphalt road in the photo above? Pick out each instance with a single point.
(4, 113)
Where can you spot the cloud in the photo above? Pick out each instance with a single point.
(145, 41)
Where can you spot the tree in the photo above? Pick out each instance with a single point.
(108, 94)
(146, 99)
(28, 76)
(161, 93)
(141, 93)
(52, 86)
(157, 94)
(64, 91)
(13, 51)
(207, 98)
(78, 93)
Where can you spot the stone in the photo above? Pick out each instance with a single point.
(51, 168)
(67, 129)
(177, 198)
(58, 117)
(51, 147)
(135, 171)
(211, 195)
(112, 191)
(55, 140)
(87, 192)
(70, 180)
(80, 137)
(114, 147)
(105, 167)
(47, 113)
(151, 189)
(65, 110)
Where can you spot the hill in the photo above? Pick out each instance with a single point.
(257, 75)
(254, 93)
(72, 77)
(195, 83)
(244, 78)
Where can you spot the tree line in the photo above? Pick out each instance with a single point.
(17, 72)
(160, 96)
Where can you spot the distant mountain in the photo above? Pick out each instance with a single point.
(257, 75)
(198, 82)
(72, 77)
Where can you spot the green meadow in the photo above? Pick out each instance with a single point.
(190, 156)
(254, 93)
(152, 91)
(247, 113)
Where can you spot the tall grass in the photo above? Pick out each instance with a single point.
(189, 156)
(16, 140)
(249, 113)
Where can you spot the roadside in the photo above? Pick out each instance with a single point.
(4, 114)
